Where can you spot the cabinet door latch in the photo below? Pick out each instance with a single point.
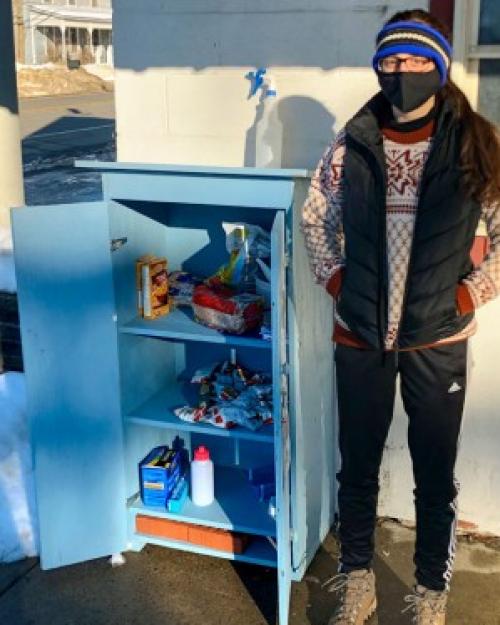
(116, 244)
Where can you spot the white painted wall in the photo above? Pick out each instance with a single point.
(181, 97)
(181, 91)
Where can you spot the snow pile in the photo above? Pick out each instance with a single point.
(18, 528)
(7, 273)
(51, 79)
(106, 72)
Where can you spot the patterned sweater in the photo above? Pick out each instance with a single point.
(405, 156)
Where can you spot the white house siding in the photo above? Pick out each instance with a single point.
(182, 97)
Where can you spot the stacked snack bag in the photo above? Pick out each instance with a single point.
(227, 301)
(230, 395)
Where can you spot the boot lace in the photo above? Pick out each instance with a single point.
(426, 606)
(351, 591)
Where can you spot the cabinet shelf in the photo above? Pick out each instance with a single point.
(158, 412)
(234, 508)
(259, 551)
(180, 325)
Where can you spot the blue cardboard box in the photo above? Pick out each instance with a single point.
(159, 473)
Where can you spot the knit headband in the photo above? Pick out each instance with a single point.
(414, 38)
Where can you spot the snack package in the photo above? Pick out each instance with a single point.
(230, 395)
(181, 286)
(245, 244)
(220, 308)
(152, 287)
(191, 414)
(204, 374)
(138, 281)
(218, 416)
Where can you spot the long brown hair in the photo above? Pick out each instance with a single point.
(480, 150)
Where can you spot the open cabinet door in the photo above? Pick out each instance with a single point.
(68, 328)
(281, 420)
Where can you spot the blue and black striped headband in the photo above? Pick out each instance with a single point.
(414, 38)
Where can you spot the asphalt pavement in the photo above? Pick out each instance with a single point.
(72, 125)
(171, 587)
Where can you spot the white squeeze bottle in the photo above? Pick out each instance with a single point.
(202, 477)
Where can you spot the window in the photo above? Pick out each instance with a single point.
(483, 54)
(489, 89)
(489, 23)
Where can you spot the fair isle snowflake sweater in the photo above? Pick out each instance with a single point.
(405, 156)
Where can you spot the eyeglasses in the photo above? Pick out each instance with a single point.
(413, 63)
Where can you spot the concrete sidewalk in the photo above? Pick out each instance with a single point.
(174, 588)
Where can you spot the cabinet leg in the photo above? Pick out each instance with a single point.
(117, 559)
(135, 545)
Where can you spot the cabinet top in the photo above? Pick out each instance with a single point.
(196, 170)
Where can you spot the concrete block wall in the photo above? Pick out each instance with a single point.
(181, 91)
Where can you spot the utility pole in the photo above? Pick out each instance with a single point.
(19, 31)
(11, 166)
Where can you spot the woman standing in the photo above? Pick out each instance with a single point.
(389, 223)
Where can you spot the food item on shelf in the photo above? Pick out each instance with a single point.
(230, 395)
(181, 286)
(202, 477)
(159, 473)
(224, 392)
(138, 281)
(265, 328)
(152, 287)
(223, 309)
(204, 373)
(216, 415)
(190, 414)
(245, 244)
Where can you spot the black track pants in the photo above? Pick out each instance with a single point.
(433, 388)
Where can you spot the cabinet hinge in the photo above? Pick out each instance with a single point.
(285, 368)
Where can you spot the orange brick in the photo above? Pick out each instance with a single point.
(210, 537)
(165, 528)
(214, 538)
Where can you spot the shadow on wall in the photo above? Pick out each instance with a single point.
(300, 117)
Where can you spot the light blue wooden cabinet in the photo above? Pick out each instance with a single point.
(102, 383)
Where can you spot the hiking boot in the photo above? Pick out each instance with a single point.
(429, 606)
(357, 597)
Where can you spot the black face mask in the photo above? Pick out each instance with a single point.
(408, 90)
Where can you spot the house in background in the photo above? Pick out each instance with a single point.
(55, 30)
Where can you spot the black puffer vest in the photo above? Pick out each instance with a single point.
(444, 231)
